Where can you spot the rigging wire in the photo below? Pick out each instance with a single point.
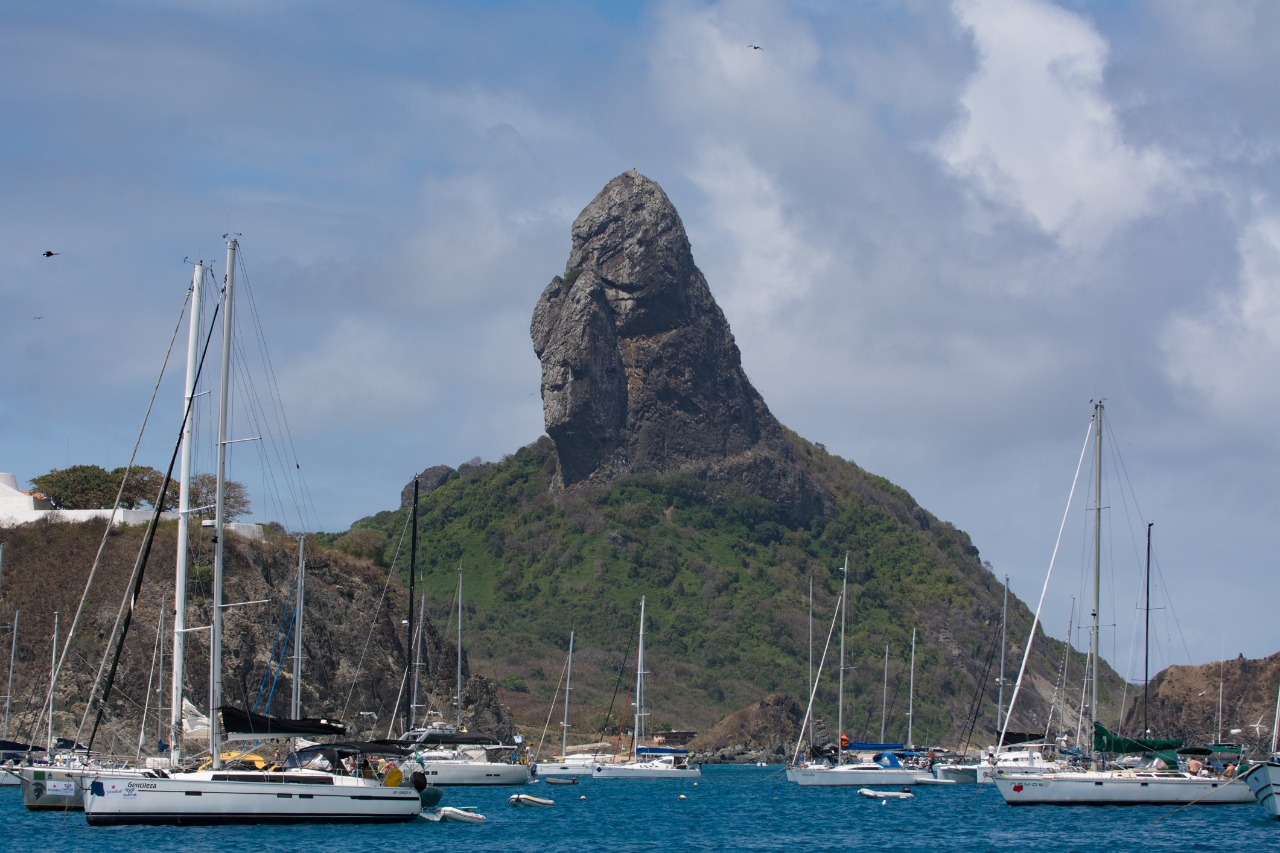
(48, 703)
(373, 621)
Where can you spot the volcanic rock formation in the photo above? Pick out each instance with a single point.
(640, 371)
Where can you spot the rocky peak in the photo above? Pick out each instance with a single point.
(640, 371)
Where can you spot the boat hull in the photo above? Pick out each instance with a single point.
(1263, 780)
(449, 773)
(962, 773)
(1123, 788)
(645, 770)
(212, 798)
(52, 788)
(854, 775)
(566, 768)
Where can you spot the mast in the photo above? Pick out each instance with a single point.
(640, 712)
(8, 692)
(184, 519)
(911, 691)
(1097, 571)
(1146, 643)
(295, 708)
(219, 524)
(568, 677)
(811, 652)
(1275, 726)
(1004, 622)
(884, 694)
(410, 662)
(53, 671)
(459, 647)
(844, 588)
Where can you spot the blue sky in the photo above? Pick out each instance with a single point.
(938, 232)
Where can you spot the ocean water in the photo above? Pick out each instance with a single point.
(729, 809)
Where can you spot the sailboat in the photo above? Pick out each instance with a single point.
(647, 761)
(884, 768)
(1263, 777)
(450, 755)
(316, 793)
(1152, 784)
(565, 765)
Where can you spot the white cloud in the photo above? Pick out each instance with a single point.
(1038, 133)
(1227, 355)
(773, 264)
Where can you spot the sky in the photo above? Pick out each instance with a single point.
(939, 231)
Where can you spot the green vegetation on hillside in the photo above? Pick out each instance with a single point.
(726, 582)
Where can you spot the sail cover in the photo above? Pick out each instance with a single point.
(239, 724)
(1106, 741)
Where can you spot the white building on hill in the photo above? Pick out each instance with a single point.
(18, 507)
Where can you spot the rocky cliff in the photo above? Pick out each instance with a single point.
(640, 371)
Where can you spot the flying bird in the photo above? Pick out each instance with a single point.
(49, 254)
(755, 47)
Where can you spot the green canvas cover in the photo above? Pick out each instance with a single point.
(1105, 741)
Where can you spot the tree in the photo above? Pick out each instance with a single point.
(79, 487)
(94, 487)
(143, 487)
(204, 492)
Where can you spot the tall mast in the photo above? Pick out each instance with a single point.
(811, 652)
(1146, 642)
(53, 671)
(844, 589)
(1004, 622)
(410, 661)
(459, 647)
(911, 692)
(8, 692)
(884, 694)
(640, 673)
(184, 519)
(568, 678)
(1097, 569)
(296, 706)
(219, 524)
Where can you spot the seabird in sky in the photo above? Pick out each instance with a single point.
(48, 253)
(755, 47)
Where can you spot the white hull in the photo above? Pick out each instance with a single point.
(238, 797)
(1119, 788)
(646, 770)
(1264, 781)
(446, 773)
(854, 775)
(962, 773)
(557, 768)
(50, 787)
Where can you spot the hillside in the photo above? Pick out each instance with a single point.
(726, 581)
(353, 639)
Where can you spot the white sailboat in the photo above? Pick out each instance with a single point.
(647, 762)
(60, 784)
(1150, 785)
(883, 769)
(564, 764)
(223, 795)
(449, 755)
(1263, 777)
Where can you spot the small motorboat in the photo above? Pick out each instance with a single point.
(904, 794)
(529, 800)
(556, 780)
(451, 814)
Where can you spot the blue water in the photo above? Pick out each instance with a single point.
(731, 808)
